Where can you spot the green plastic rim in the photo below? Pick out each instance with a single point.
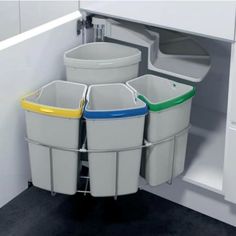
(170, 103)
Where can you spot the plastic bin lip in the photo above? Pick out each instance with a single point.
(155, 107)
(115, 113)
(140, 110)
(112, 62)
(51, 110)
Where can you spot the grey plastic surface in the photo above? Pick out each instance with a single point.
(56, 131)
(160, 125)
(102, 62)
(114, 133)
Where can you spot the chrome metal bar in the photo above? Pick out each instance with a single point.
(84, 177)
(117, 175)
(84, 144)
(146, 145)
(51, 172)
(173, 161)
(83, 34)
(86, 186)
(84, 150)
(82, 191)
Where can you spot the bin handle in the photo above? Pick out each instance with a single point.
(134, 92)
(135, 95)
(38, 93)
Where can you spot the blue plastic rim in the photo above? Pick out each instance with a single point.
(115, 113)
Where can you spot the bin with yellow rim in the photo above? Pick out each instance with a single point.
(53, 115)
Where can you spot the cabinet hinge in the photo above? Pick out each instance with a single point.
(84, 23)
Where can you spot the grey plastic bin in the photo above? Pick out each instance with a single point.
(102, 62)
(114, 120)
(53, 118)
(169, 106)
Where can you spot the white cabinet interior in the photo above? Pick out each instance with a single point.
(209, 174)
(206, 145)
(206, 18)
(26, 65)
(9, 19)
(35, 13)
(19, 15)
(169, 52)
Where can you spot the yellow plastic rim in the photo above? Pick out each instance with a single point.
(52, 111)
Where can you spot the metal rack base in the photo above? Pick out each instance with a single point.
(116, 151)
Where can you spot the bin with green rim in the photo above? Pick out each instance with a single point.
(169, 104)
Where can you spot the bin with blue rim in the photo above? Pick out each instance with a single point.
(169, 106)
(114, 120)
(53, 115)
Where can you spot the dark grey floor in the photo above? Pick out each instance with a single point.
(36, 213)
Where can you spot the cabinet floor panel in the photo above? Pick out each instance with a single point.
(205, 152)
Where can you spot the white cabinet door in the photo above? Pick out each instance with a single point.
(232, 88)
(34, 13)
(229, 180)
(9, 19)
(29, 61)
(210, 19)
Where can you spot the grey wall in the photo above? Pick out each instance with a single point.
(26, 66)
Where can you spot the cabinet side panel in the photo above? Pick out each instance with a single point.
(9, 19)
(24, 67)
(35, 13)
(230, 146)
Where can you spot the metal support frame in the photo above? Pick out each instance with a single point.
(51, 172)
(117, 175)
(173, 161)
(116, 151)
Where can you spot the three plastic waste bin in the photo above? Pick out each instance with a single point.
(53, 118)
(102, 62)
(114, 119)
(169, 106)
